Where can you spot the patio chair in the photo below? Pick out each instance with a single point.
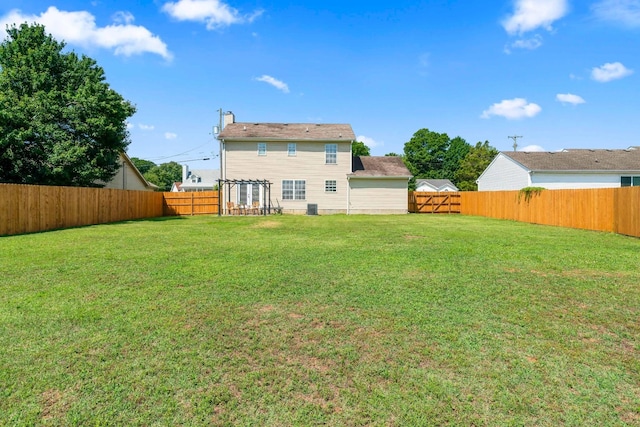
(232, 209)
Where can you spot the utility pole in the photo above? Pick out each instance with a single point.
(515, 141)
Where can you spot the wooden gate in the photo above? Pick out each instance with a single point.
(191, 203)
(428, 202)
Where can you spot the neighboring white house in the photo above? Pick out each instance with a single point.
(129, 177)
(435, 185)
(197, 180)
(566, 169)
(298, 166)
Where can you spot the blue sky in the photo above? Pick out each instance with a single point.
(559, 73)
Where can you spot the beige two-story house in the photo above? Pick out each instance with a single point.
(293, 166)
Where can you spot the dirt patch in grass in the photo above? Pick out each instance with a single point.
(267, 224)
(54, 404)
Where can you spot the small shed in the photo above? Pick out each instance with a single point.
(378, 185)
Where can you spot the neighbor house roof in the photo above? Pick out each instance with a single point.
(578, 160)
(436, 183)
(288, 131)
(379, 167)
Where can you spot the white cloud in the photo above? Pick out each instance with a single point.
(369, 142)
(533, 14)
(130, 125)
(79, 28)
(532, 148)
(530, 43)
(569, 98)
(278, 84)
(214, 13)
(610, 71)
(625, 12)
(512, 109)
(146, 127)
(170, 135)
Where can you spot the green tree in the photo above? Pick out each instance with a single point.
(392, 154)
(359, 148)
(426, 154)
(473, 164)
(458, 149)
(60, 122)
(142, 165)
(164, 175)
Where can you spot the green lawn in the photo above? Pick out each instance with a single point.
(333, 320)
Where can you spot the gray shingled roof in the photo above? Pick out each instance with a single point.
(288, 131)
(437, 183)
(578, 160)
(374, 166)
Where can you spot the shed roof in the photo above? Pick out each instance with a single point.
(436, 183)
(578, 160)
(288, 131)
(379, 166)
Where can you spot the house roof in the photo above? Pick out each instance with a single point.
(379, 166)
(207, 175)
(578, 160)
(288, 131)
(436, 183)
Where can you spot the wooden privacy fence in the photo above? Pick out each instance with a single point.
(191, 203)
(614, 210)
(32, 208)
(431, 202)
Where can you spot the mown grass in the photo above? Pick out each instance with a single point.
(359, 320)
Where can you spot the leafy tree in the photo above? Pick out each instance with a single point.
(458, 149)
(60, 122)
(434, 155)
(164, 175)
(392, 154)
(359, 148)
(473, 164)
(142, 165)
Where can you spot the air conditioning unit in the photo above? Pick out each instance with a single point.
(312, 209)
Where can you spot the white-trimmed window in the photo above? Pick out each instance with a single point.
(331, 154)
(294, 189)
(291, 149)
(262, 148)
(630, 181)
(331, 186)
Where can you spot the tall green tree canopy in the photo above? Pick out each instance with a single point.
(142, 165)
(473, 164)
(434, 155)
(60, 122)
(359, 148)
(164, 175)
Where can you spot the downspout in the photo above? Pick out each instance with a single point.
(348, 194)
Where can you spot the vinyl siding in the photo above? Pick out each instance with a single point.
(378, 196)
(503, 174)
(555, 181)
(127, 179)
(242, 161)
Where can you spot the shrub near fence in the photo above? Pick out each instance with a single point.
(33, 208)
(604, 209)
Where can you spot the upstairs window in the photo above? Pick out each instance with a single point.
(262, 148)
(331, 154)
(630, 181)
(291, 149)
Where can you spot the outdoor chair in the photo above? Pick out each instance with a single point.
(232, 209)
